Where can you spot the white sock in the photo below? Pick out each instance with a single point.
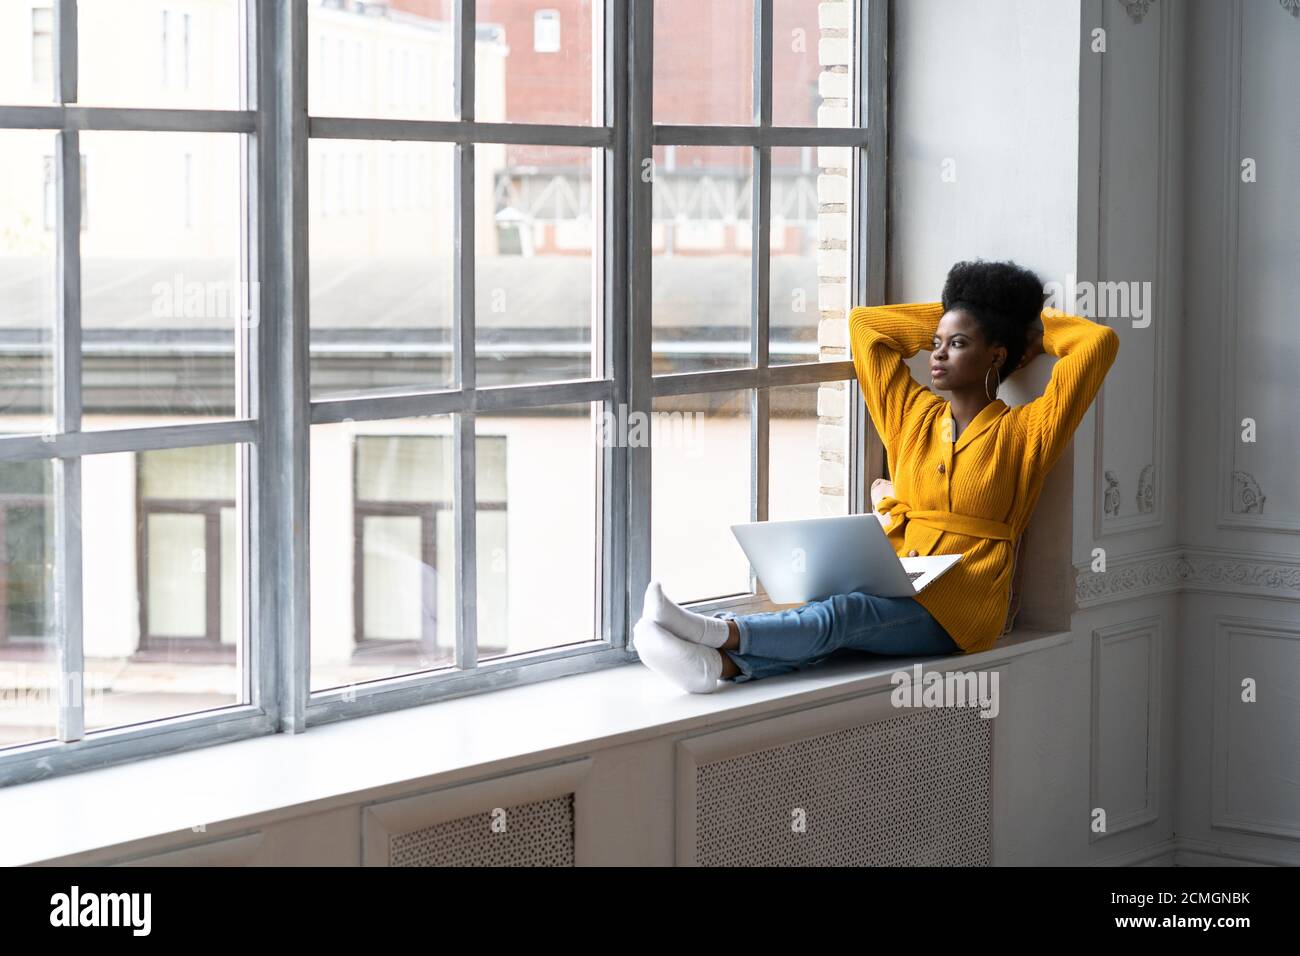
(693, 668)
(709, 631)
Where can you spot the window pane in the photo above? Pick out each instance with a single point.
(383, 549)
(188, 496)
(534, 63)
(535, 282)
(177, 602)
(27, 276)
(164, 294)
(29, 672)
(164, 597)
(177, 53)
(381, 265)
(810, 230)
(700, 486)
(391, 576)
(807, 451)
(206, 472)
(812, 46)
(27, 53)
(704, 62)
(398, 63)
(404, 468)
(701, 263)
(536, 524)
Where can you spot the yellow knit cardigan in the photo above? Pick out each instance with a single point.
(974, 496)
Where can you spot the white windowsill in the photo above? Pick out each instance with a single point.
(493, 732)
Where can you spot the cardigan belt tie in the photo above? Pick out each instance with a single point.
(945, 520)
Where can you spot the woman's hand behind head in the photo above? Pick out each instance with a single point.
(1033, 344)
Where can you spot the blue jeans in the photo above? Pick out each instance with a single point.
(776, 642)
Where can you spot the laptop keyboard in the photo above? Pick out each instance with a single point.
(913, 575)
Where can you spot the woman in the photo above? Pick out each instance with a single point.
(966, 474)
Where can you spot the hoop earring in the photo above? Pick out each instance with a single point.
(986, 384)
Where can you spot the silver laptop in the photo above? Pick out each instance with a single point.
(812, 558)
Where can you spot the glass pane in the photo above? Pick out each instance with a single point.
(206, 472)
(383, 549)
(29, 672)
(381, 265)
(28, 306)
(164, 295)
(231, 568)
(534, 318)
(399, 468)
(394, 63)
(701, 263)
(699, 487)
(704, 62)
(178, 54)
(27, 60)
(533, 62)
(536, 524)
(807, 451)
(176, 544)
(809, 271)
(163, 610)
(812, 53)
(392, 572)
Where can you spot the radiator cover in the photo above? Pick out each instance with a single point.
(539, 833)
(911, 789)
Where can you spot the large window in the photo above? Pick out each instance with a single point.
(407, 342)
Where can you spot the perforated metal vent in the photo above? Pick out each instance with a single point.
(539, 833)
(905, 791)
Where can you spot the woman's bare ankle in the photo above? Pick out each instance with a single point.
(732, 642)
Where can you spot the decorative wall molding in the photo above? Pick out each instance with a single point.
(1240, 500)
(1241, 574)
(1292, 7)
(1228, 304)
(1128, 577)
(1247, 496)
(1111, 495)
(1137, 9)
(1177, 570)
(1106, 517)
(1146, 491)
(1109, 643)
(1241, 780)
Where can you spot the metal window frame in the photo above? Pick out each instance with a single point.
(274, 386)
(867, 134)
(464, 399)
(73, 749)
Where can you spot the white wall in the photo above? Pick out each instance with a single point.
(984, 162)
(1241, 620)
(1010, 138)
(993, 88)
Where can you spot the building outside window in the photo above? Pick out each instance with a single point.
(546, 31)
(43, 45)
(175, 50)
(26, 531)
(404, 557)
(187, 548)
